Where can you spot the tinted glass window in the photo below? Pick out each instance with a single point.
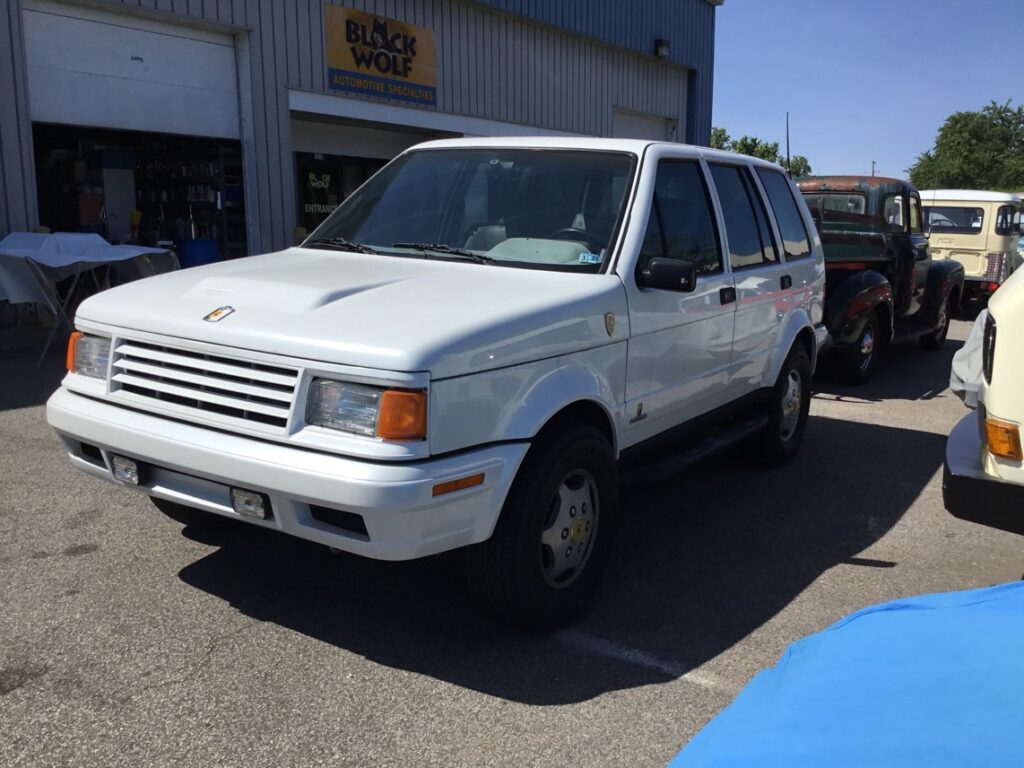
(791, 223)
(750, 244)
(1007, 220)
(686, 225)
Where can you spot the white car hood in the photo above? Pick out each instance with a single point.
(390, 313)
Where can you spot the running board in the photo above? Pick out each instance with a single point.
(719, 439)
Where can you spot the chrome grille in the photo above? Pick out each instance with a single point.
(200, 384)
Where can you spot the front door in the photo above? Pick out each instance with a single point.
(680, 343)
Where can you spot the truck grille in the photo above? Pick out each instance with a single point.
(204, 384)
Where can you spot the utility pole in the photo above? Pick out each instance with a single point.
(788, 164)
(872, 167)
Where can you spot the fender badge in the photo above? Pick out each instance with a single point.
(609, 322)
(218, 314)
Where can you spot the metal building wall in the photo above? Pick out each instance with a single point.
(17, 169)
(561, 65)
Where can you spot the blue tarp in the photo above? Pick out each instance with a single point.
(936, 680)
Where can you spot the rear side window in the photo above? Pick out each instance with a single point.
(750, 242)
(681, 225)
(1007, 220)
(791, 224)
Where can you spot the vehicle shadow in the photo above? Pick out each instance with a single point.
(698, 566)
(23, 383)
(904, 372)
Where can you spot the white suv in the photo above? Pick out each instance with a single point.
(465, 353)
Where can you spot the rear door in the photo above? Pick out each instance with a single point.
(763, 284)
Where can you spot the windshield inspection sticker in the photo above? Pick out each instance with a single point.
(590, 258)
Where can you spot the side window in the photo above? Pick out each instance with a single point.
(750, 243)
(653, 246)
(1007, 220)
(683, 210)
(791, 224)
(915, 213)
(892, 211)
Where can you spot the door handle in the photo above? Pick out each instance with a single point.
(727, 295)
(786, 282)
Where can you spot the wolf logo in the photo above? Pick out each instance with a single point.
(380, 40)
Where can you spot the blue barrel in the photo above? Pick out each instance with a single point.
(195, 253)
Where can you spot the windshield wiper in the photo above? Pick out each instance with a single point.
(446, 249)
(341, 243)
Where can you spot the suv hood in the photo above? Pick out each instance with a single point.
(390, 313)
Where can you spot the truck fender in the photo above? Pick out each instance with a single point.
(850, 302)
(797, 322)
(943, 278)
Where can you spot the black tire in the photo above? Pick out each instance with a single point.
(779, 441)
(933, 341)
(857, 362)
(190, 516)
(515, 571)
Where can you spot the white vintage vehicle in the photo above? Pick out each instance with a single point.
(983, 479)
(463, 355)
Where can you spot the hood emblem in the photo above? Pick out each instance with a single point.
(609, 322)
(218, 314)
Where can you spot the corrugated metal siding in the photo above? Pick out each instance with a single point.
(17, 168)
(562, 65)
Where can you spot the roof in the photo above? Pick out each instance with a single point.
(634, 146)
(969, 195)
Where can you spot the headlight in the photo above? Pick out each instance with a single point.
(393, 414)
(88, 355)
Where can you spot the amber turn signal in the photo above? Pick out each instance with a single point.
(1003, 439)
(402, 415)
(457, 485)
(72, 342)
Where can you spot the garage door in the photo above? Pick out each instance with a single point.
(633, 125)
(91, 67)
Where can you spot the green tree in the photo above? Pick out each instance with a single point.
(797, 166)
(975, 150)
(755, 147)
(720, 139)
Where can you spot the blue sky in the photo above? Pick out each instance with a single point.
(862, 80)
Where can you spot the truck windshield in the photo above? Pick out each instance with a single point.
(832, 203)
(955, 219)
(547, 209)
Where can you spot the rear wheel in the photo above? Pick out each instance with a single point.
(551, 544)
(857, 361)
(790, 403)
(933, 341)
(192, 517)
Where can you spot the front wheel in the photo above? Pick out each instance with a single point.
(550, 546)
(788, 407)
(933, 341)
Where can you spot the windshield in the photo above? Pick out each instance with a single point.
(547, 209)
(836, 203)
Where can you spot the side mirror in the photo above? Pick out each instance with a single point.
(669, 275)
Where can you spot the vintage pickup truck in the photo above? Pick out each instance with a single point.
(881, 282)
(463, 355)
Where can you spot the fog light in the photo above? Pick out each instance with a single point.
(125, 470)
(249, 503)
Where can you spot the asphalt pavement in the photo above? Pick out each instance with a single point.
(126, 640)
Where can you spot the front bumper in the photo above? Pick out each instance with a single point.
(968, 492)
(198, 467)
